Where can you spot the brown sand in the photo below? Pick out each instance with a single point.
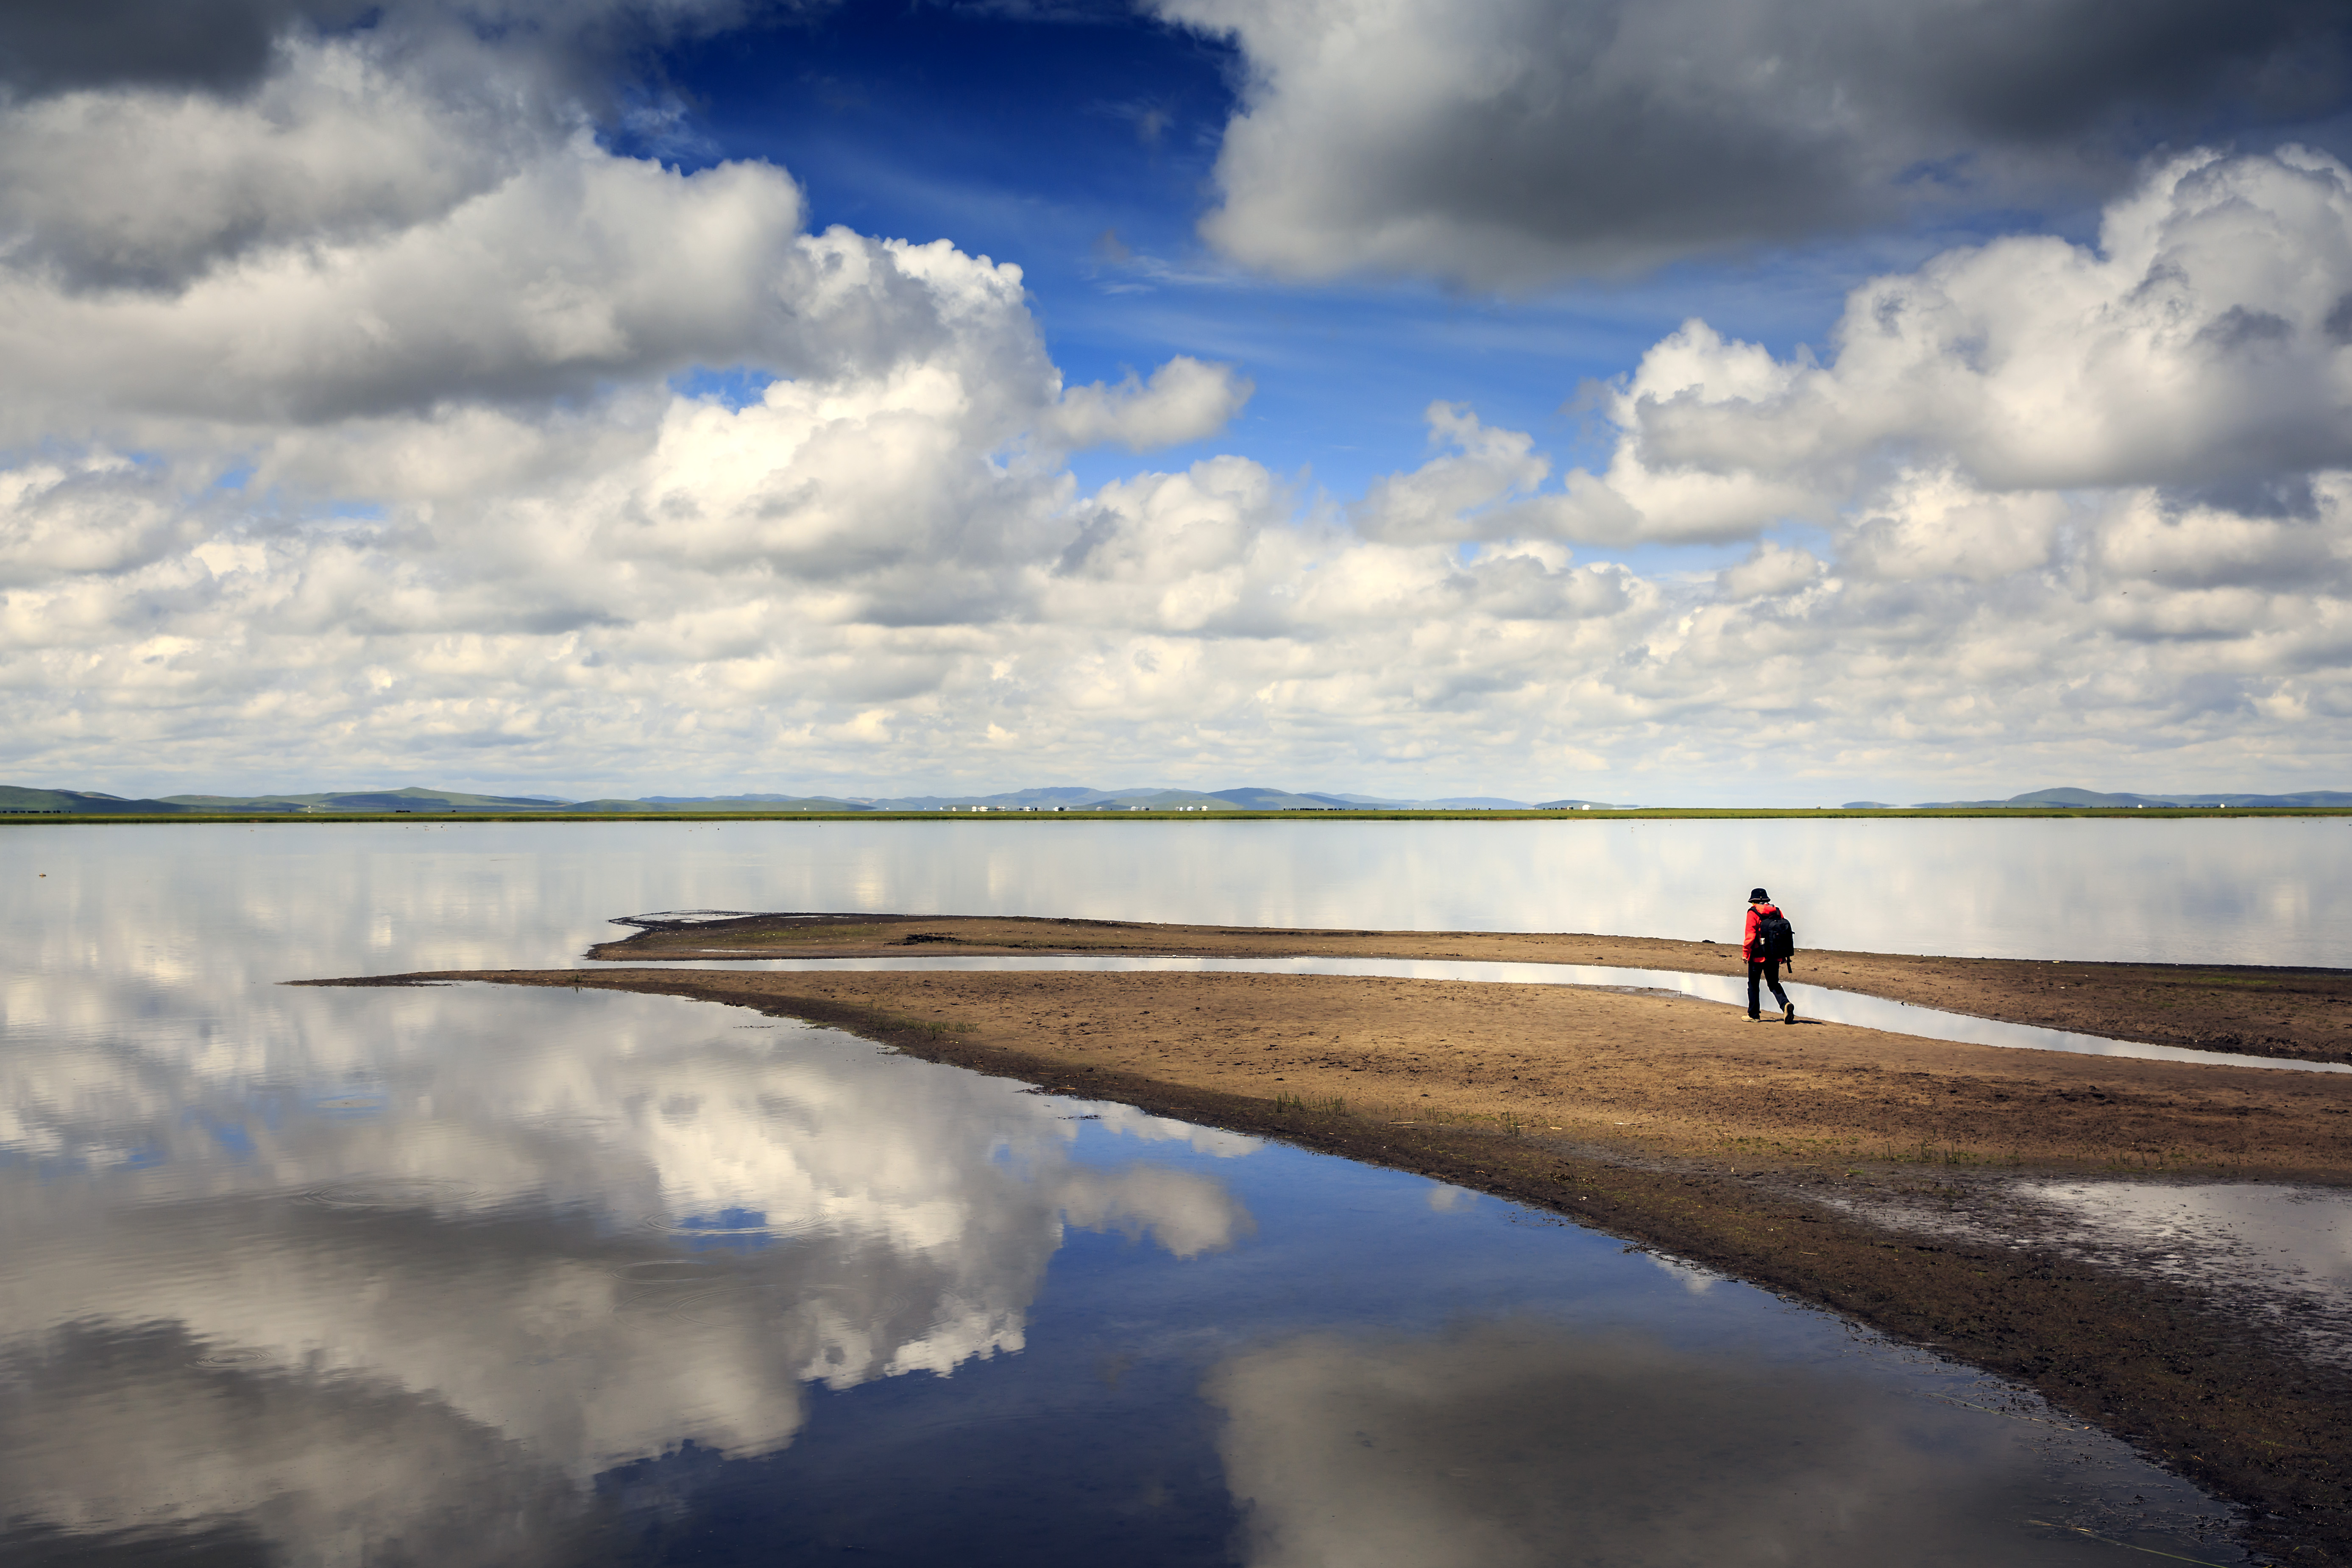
(2304, 1014)
(1649, 1074)
(1759, 1149)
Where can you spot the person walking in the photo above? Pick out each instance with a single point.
(1771, 942)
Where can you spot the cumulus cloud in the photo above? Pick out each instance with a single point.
(2199, 344)
(1441, 500)
(273, 270)
(412, 478)
(152, 188)
(1520, 142)
(2147, 437)
(1185, 400)
(225, 47)
(1770, 569)
(223, 44)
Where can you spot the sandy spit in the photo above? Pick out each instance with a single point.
(2304, 1014)
(1780, 1154)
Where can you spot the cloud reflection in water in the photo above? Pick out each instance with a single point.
(522, 1238)
(1528, 1442)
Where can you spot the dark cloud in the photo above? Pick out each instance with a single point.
(217, 45)
(1527, 140)
(2338, 325)
(2034, 72)
(228, 46)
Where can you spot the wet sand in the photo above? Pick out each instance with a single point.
(2304, 1014)
(1788, 1156)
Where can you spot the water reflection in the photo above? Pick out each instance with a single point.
(1515, 1443)
(510, 1241)
(125, 1438)
(2277, 1252)
(303, 898)
(469, 1275)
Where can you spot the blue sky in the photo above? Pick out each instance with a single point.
(1677, 402)
(1083, 150)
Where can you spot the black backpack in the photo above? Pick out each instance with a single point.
(1775, 937)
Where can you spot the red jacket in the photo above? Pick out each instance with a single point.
(1747, 947)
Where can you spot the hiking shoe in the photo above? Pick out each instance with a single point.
(1788, 1012)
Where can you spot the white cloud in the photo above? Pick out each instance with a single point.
(1936, 524)
(1515, 142)
(1770, 569)
(2202, 344)
(104, 190)
(576, 268)
(308, 487)
(1185, 400)
(1439, 499)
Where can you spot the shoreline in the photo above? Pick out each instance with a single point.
(1795, 1159)
(1531, 813)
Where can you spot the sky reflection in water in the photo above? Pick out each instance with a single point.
(305, 898)
(522, 1276)
(464, 1275)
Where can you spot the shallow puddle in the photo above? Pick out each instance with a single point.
(2282, 1253)
(1811, 1001)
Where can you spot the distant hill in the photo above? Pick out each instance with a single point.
(422, 801)
(416, 799)
(15, 802)
(753, 803)
(380, 800)
(1073, 797)
(1258, 799)
(2084, 797)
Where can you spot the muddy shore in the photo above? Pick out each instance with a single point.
(1787, 1156)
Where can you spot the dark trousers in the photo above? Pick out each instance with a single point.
(1769, 971)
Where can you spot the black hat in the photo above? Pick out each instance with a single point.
(1758, 896)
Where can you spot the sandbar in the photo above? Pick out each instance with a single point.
(1796, 1157)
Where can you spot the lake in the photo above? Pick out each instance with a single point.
(454, 894)
(462, 1274)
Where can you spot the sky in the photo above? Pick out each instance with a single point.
(1690, 402)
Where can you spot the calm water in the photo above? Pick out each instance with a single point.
(459, 1275)
(452, 895)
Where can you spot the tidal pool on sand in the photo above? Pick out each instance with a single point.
(462, 1274)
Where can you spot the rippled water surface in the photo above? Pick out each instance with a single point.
(461, 1275)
